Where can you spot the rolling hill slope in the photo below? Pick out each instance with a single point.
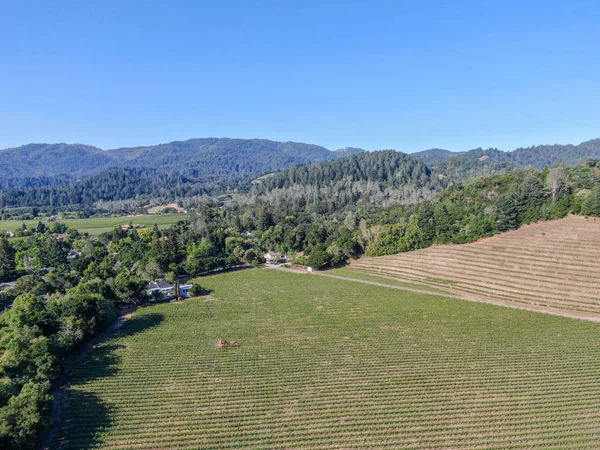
(552, 264)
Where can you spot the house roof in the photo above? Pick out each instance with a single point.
(160, 284)
(273, 254)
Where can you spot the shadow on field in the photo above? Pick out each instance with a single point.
(140, 323)
(89, 415)
(100, 362)
(103, 361)
(86, 416)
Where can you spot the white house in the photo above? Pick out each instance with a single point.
(166, 289)
(184, 291)
(272, 257)
(159, 287)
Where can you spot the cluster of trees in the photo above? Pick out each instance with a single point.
(48, 315)
(114, 185)
(336, 230)
(485, 206)
(68, 290)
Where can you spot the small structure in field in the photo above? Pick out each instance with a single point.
(184, 290)
(223, 343)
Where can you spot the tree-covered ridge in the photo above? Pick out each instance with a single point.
(359, 182)
(477, 162)
(384, 178)
(390, 168)
(35, 163)
(39, 164)
(221, 161)
(484, 206)
(113, 184)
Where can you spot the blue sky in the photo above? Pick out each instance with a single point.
(408, 75)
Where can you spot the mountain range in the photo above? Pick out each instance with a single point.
(539, 156)
(62, 175)
(42, 164)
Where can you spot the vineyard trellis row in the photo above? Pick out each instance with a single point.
(329, 363)
(550, 264)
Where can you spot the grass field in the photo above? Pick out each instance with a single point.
(98, 225)
(328, 363)
(552, 264)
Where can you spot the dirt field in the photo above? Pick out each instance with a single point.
(554, 264)
(159, 208)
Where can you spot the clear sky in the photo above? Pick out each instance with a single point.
(408, 75)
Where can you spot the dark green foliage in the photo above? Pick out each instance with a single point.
(42, 175)
(7, 260)
(24, 416)
(129, 288)
(35, 337)
(196, 290)
(477, 162)
(506, 212)
(375, 178)
(484, 206)
(318, 258)
(397, 238)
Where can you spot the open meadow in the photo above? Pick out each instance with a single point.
(553, 264)
(330, 363)
(99, 225)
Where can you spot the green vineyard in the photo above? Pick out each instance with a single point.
(329, 363)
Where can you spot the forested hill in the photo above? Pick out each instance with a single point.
(363, 181)
(210, 158)
(385, 177)
(50, 160)
(476, 162)
(388, 168)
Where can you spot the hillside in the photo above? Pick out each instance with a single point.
(382, 178)
(477, 162)
(551, 264)
(23, 166)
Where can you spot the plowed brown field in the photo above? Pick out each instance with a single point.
(554, 264)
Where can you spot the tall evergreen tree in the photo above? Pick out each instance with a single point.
(7, 260)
